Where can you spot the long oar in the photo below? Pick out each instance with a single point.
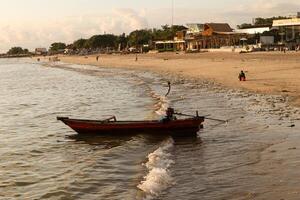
(214, 119)
(218, 120)
(185, 115)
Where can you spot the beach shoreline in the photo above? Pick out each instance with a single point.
(270, 121)
(273, 73)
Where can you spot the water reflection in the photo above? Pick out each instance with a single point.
(106, 140)
(111, 141)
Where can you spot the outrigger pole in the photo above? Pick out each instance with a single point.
(186, 115)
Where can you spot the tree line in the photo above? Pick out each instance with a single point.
(259, 21)
(17, 51)
(136, 39)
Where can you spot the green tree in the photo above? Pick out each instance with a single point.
(260, 21)
(167, 32)
(25, 51)
(57, 46)
(80, 44)
(244, 25)
(267, 21)
(122, 40)
(102, 41)
(139, 37)
(17, 50)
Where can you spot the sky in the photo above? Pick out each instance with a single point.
(38, 23)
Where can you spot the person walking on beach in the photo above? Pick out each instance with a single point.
(242, 76)
(284, 49)
(97, 58)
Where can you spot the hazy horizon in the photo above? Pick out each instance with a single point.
(32, 24)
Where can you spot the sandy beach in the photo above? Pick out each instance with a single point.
(267, 72)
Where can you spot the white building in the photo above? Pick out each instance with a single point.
(289, 29)
(41, 51)
(254, 30)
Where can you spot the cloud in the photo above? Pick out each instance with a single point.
(262, 8)
(37, 33)
(234, 14)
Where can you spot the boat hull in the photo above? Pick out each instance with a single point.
(186, 127)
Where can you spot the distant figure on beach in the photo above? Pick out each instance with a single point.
(97, 58)
(242, 76)
(38, 59)
(136, 58)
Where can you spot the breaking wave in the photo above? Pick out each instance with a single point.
(162, 104)
(158, 178)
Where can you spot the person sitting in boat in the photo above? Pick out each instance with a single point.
(242, 76)
(169, 115)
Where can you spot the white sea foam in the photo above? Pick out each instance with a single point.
(162, 104)
(158, 179)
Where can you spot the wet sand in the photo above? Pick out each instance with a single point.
(267, 72)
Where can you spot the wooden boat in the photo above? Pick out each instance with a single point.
(180, 127)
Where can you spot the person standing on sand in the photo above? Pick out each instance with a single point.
(136, 58)
(97, 58)
(242, 76)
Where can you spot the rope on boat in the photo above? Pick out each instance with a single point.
(197, 115)
(169, 84)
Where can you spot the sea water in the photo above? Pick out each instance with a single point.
(41, 158)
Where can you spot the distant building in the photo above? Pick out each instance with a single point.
(216, 29)
(41, 51)
(171, 45)
(213, 35)
(254, 30)
(178, 44)
(68, 51)
(289, 29)
(266, 40)
(287, 22)
(194, 28)
(201, 36)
